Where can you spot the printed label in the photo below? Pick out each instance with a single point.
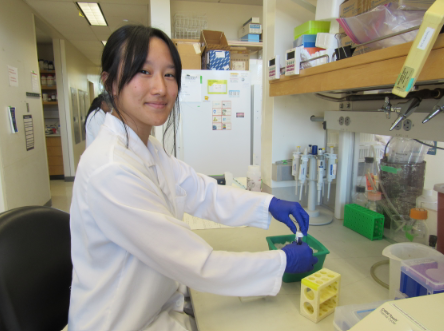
(428, 34)
(403, 81)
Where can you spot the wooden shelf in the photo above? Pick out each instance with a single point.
(375, 69)
(49, 87)
(47, 71)
(252, 46)
(50, 103)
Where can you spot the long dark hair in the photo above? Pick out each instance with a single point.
(127, 49)
(95, 105)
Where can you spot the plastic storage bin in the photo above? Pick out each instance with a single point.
(311, 27)
(364, 221)
(404, 251)
(312, 242)
(347, 316)
(422, 276)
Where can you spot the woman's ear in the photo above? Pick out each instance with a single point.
(104, 77)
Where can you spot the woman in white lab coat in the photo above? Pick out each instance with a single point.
(96, 117)
(133, 257)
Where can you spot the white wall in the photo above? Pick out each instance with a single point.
(25, 178)
(79, 70)
(228, 18)
(434, 168)
(286, 120)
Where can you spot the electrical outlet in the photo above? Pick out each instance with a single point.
(347, 121)
(407, 125)
(399, 126)
(341, 120)
(341, 105)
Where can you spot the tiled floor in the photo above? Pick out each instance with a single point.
(61, 194)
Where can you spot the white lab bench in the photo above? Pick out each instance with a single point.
(351, 255)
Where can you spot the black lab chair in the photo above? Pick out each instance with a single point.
(35, 269)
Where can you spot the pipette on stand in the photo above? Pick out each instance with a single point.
(331, 170)
(303, 169)
(321, 170)
(295, 168)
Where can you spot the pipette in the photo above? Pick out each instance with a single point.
(331, 170)
(321, 170)
(295, 168)
(303, 169)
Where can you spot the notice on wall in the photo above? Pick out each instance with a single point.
(221, 115)
(12, 119)
(191, 90)
(35, 82)
(13, 76)
(217, 86)
(29, 131)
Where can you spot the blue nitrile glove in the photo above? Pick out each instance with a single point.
(299, 258)
(281, 210)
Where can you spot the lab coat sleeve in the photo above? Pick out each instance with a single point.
(134, 216)
(219, 203)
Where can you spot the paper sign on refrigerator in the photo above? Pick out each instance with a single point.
(217, 86)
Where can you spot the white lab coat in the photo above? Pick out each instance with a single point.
(93, 124)
(131, 251)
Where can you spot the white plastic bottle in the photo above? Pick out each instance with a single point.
(254, 178)
(429, 202)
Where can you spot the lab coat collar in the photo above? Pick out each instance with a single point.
(135, 143)
(149, 155)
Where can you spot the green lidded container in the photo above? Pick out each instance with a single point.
(366, 222)
(312, 242)
(311, 27)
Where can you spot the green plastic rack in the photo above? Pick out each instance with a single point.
(312, 242)
(366, 222)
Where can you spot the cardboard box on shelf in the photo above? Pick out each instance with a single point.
(213, 40)
(351, 8)
(252, 20)
(240, 58)
(190, 54)
(249, 29)
(346, 41)
(251, 38)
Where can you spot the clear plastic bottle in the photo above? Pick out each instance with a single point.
(360, 196)
(406, 150)
(254, 178)
(429, 201)
(417, 231)
(373, 204)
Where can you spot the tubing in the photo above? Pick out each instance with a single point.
(372, 273)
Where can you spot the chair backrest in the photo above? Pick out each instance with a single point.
(35, 269)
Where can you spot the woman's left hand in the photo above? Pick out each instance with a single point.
(282, 209)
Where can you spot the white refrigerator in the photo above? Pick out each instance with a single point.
(215, 127)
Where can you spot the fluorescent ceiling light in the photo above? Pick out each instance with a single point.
(93, 13)
(104, 42)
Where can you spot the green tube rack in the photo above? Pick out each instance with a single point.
(366, 222)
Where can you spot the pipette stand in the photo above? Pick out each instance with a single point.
(318, 215)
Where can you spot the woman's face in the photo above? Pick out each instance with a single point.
(149, 97)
